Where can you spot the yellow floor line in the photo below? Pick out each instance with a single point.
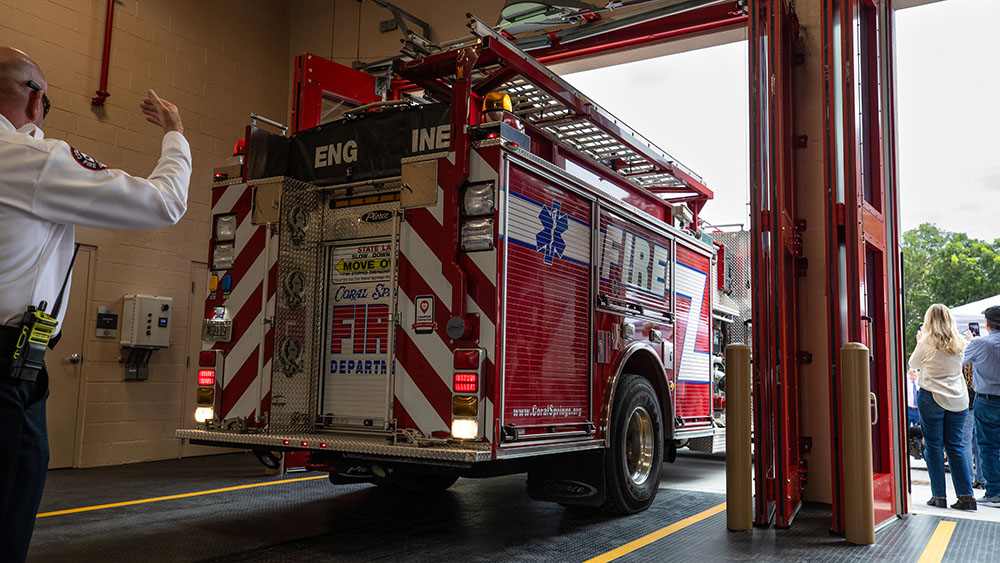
(173, 497)
(657, 535)
(934, 551)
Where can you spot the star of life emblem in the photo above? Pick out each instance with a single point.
(554, 223)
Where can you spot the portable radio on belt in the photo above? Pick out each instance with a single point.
(37, 329)
(35, 334)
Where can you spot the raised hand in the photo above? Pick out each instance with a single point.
(161, 112)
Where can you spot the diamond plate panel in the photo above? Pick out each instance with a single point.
(297, 323)
(736, 291)
(470, 452)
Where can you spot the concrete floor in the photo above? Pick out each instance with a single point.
(302, 517)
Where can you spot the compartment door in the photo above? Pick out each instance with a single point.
(546, 377)
(357, 364)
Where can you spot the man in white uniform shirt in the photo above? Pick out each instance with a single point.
(47, 187)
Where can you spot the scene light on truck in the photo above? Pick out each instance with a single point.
(225, 227)
(203, 414)
(465, 428)
(477, 234)
(466, 383)
(223, 255)
(206, 377)
(478, 200)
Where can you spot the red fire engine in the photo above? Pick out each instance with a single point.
(420, 291)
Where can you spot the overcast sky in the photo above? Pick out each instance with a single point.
(694, 106)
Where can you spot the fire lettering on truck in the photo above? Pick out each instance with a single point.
(359, 329)
(337, 153)
(640, 263)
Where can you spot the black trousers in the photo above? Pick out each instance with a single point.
(24, 459)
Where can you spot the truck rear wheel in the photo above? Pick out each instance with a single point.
(635, 458)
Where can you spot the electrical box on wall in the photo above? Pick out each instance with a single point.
(146, 321)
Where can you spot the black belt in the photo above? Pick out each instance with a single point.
(987, 396)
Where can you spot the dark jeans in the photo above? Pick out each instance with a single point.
(972, 450)
(943, 432)
(24, 459)
(988, 435)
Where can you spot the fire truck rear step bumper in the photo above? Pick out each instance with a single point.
(361, 445)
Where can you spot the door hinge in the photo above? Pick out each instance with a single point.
(765, 220)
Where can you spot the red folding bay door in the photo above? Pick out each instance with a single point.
(864, 284)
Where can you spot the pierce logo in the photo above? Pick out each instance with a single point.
(377, 216)
(568, 489)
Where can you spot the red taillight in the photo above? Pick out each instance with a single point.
(466, 382)
(206, 358)
(206, 377)
(467, 359)
(492, 135)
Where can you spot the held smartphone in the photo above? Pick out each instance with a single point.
(974, 329)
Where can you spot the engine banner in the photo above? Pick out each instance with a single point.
(546, 376)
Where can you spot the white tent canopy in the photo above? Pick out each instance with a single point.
(973, 313)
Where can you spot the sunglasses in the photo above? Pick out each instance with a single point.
(45, 99)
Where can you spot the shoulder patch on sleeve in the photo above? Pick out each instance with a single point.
(86, 161)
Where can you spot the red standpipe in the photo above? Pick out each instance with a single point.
(102, 92)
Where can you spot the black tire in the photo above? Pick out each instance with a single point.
(425, 482)
(635, 458)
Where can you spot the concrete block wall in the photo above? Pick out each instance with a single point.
(218, 61)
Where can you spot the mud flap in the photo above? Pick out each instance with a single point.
(574, 479)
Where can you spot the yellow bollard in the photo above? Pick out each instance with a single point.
(856, 419)
(739, 477)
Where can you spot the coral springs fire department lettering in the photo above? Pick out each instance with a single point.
(548, 410)
(634, 261)
(359, 330)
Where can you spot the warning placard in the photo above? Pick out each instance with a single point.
(360, 263)
(424, 314)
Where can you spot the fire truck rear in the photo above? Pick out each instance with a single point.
(418, 292)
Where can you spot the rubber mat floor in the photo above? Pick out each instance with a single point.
(148, 512)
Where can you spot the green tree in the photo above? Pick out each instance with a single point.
(944, 267)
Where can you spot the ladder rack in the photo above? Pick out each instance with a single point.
(546, 101)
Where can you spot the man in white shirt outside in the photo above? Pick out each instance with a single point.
(46, 188)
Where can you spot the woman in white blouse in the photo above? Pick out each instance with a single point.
(943, 402)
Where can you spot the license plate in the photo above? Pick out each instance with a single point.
(217, 330)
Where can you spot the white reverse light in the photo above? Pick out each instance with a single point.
(203, 414)
(465, 428)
